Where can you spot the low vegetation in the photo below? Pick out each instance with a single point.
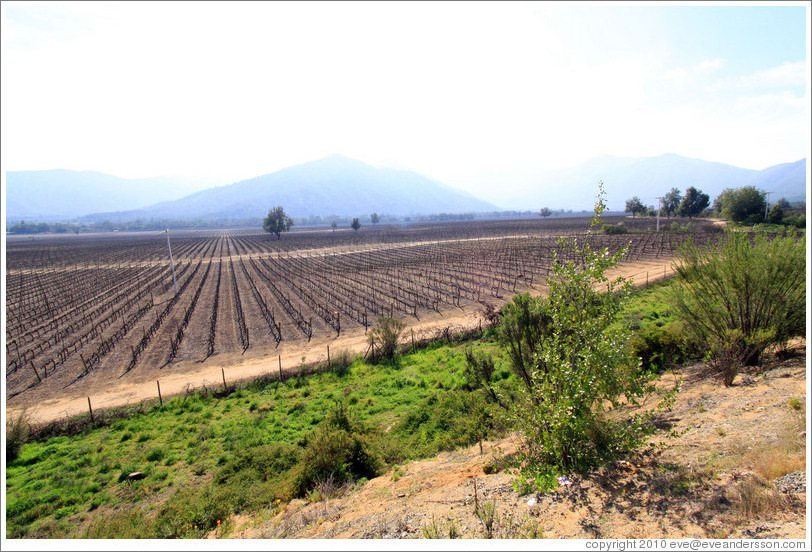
(561, 370)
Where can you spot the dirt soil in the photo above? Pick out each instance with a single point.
(108, 391)
(721, 477)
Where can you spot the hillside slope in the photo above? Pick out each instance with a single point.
(736, 470)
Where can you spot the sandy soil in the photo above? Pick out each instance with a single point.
(713, 481)
(106, 391)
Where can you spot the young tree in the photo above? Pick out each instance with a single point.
(277, 221)
(634, 206)
(694, 202)
(738, 297)
(545, 212)
(573, 365)
(334, 225)
(356, 224)
(374, 218)
(671, 202)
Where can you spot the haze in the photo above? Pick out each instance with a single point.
(455, 91)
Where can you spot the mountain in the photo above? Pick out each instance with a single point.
(63, 194)
(647, 178)
(334, 185)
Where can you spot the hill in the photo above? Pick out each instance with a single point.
(647, 178)
(333, 185)
(62, 194)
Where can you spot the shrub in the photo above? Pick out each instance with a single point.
(339, 449)
(739, 297)
(17, 431)
(619, 228)
(659, 348)
(383, 338)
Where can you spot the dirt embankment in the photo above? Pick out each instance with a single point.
(736, 469)
(46, 404)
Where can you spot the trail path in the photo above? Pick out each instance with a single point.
(178, 378)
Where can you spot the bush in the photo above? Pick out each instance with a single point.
(340, 449)
(660, 348)
(619, 228)
(383, 338)
(17, 431)
(739, 297)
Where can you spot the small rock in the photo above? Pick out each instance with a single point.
(401, 495)
(532, 501)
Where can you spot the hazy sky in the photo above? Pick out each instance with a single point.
(233, 90)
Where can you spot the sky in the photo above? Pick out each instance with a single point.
(228, 91)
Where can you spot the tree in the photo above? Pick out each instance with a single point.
(738, 297)
(634, 206)
(545, 212)
(356, 224)
(671, 202)
(277, 221)
(574, 369)
(745, 204)
(776, 215)
(334, 225)
(694, 202)
(374, 218)
(783, 203)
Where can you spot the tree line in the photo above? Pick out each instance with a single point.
(746, 205)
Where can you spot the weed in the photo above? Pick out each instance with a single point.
(794, 404)
(17, 431)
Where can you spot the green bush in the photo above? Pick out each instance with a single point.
(740, 296)
(383, 338)
(17, 430)
(619, 228)
(340, 449)
(661, 347)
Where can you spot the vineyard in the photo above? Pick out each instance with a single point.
(106, 305)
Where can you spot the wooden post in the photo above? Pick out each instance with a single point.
(34, 368)
(160, 398)
(89, 407)
(280, 367)
(646, 277)
(328, 355)
(84, 362)
(225, 387)
(412, 339)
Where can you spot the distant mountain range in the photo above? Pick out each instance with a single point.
(334, 185)
(646, 178)
(340, 186)
(62, 194)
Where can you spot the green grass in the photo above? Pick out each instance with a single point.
(183, 447)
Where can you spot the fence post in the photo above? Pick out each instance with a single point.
(328, 355)
(280, 368)
(412, 339)
(160, 398)
(225, 387)
(89, 407)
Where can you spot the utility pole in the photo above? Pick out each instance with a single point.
(659, 208)
(767, 205)
(171, 262)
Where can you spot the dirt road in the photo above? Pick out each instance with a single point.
(107, 392)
